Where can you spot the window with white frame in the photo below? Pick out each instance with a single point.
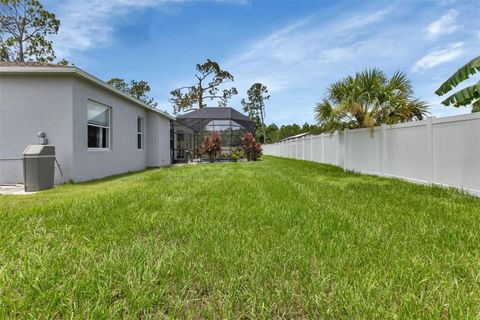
(140, 133)
(98, 125)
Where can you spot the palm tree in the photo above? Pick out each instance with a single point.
(466, 96)
(369, 99)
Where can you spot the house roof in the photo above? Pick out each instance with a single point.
(31, 64)
(296, 136)
(197, 119)
(50, 68)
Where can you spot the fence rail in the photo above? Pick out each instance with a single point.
(444, 151)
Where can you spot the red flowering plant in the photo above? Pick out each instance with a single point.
(257, 151)
(251, 148)
(212, 145)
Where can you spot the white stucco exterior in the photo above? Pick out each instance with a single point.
(54, 100)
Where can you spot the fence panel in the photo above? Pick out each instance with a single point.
(443, 151)
(364, 150)
(301, 149)
(407, 152)
(330, 147)
(456, 152)
(317, 149)
(307, 152)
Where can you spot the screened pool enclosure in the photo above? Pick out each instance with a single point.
(190, 129)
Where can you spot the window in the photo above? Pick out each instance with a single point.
(139, 133)
(98, 126)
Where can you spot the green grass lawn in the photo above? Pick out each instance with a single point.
(277, 238)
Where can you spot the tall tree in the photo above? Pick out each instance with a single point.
(273, 133)
(24, 28)
(255, 106)
(369, 99)
(467, 96)
(136, 89)
(209, 78)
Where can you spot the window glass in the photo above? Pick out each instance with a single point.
(98, 128)
(139, 133)
(98, 114)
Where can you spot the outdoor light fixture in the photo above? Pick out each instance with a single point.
(43, 137)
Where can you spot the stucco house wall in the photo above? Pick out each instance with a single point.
(123, 155)
(157, 140)
(29, 104)
(55, 101)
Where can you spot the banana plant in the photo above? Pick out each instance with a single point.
(467, 96)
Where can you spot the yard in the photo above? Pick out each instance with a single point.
(270, 239)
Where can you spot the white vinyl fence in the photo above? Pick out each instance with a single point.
(444, 151)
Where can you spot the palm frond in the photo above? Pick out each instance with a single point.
(460, 75)
(399, 83)
(464, 97)
(323, 111)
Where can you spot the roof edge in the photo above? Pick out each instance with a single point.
(71, 70)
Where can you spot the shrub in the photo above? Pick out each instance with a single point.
(223, 155)
(252, 149)
(211, 145)
(237, 154)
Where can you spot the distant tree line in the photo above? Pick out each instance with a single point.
(275, 133)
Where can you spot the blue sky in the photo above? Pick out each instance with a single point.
(296, 48)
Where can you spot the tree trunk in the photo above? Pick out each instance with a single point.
(200, 99)
(21, 57)
(263, 128)
(200, 95)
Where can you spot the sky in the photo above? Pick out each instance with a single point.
(295, 48)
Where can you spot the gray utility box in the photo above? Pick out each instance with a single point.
(38, 167)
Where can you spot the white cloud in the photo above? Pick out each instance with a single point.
(297, 49)
(439, 56)
(298, 61)
(447, 2)
(444, 25)
(89, 23)
(234, 2)
(362, 20)
(302, 39)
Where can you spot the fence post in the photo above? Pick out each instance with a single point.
(345, 150)
(430, 141)
(384, 150)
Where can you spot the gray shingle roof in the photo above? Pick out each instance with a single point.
(31, 64)
(198, 118)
